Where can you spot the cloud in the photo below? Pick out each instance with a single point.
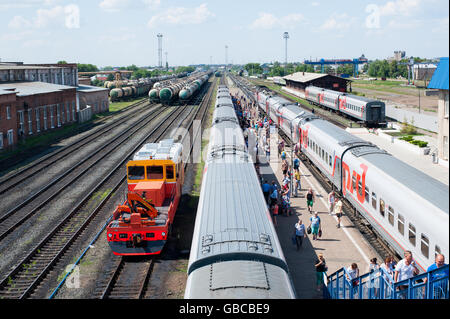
(338, 22)
(114, 5)
(181, 16)
(22, 4)
(400, 7)
(268, 21)
(69, 16)
(315, 4)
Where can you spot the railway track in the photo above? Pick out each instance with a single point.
(12, 179)
(128, 277)
(360, 223)
(20, 213)
(32, 270)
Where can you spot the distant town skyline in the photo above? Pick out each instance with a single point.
(124, 32)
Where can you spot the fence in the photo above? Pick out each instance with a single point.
(380, 285)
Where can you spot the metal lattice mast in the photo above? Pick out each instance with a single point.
(160, 61)
(226, 55)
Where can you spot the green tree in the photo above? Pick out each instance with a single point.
(253, 68)
(87, 68)
(62, 62)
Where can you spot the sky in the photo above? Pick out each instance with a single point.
(124, 32)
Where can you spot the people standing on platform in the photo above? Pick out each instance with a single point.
(353, 274)
(310, 198)
(267, 149)
(405, 269)
(321, 268)
(266, 190)
(338, 212)
(296, 163)
(284, 166)
(280, 148)
(331, 200)
(297, 186)
(274, 195)
(300, 232)
(315, 225)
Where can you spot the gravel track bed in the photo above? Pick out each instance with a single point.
(34, 183)
(17, 244)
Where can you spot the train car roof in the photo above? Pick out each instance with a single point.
(236, 215)
(165, 149)
(422, 184)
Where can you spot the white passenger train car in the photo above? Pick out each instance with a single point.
(408, 208)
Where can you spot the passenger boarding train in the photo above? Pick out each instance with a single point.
(235, 250)
(408, 208)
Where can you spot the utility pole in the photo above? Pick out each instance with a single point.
(226, 56)
(286, 37)
(167, 62)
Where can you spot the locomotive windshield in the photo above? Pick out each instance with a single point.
(155, 172)
(136, 172)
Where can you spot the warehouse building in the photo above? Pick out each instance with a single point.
(94, 96)
(30, 108)
(440, 81)
(300, 80)
(63, 74)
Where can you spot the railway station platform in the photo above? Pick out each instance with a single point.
(340, 246)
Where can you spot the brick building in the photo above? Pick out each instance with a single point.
(96, 97)
(30, 108)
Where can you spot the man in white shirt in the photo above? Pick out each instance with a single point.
(405, 269)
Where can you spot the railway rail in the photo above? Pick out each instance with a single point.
(20, 213)
(122, 281)
(23, 280)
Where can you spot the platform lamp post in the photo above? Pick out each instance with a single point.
(285, 37)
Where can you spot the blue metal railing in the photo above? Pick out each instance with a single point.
(380, 285)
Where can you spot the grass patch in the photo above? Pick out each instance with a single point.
(117, 106)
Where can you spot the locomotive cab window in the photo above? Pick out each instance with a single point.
(170, 172)
(155, 172)
(412, 234)
(424, 245)
(136, 172)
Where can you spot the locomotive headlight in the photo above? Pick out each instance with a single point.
(163, 233)
(109, 235)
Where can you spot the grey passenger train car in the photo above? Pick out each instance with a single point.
(235, 250)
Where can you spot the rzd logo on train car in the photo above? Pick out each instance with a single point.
(347, 179)
(304, 137)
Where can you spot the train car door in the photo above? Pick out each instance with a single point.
(337, 172)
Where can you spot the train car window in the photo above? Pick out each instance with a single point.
(374, 200)
(170, 172)
(331, 161)
(412, 234)
(367, 195)
(136, 172)
(424, 245)
(360, 189)
(382, 207)
(401, 224)
(155, 172)
(391, 215)
(354, 182)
